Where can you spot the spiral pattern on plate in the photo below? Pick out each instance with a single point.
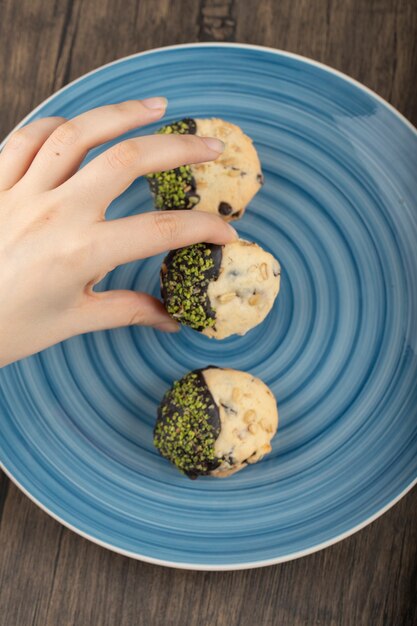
(338, 349)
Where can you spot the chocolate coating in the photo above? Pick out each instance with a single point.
(185, 276)
(175, 189)
(188, 425)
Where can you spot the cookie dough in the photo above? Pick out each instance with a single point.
(224, 186)
(220, 290)
(216, 421)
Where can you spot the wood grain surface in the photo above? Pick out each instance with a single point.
(48, 575)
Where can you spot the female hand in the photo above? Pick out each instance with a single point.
(55, 243)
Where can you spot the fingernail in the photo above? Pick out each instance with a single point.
(159, 103)
(214, 144)
(168, 326)
(234, 231)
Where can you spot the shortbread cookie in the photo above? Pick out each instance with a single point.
(216, 421)
(220, 290)
(224, 186)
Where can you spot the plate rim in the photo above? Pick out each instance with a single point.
(201, 566)
(218, 44)
(204, 567)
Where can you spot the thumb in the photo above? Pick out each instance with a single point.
(112, 309)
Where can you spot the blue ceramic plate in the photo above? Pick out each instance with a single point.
(339, 349)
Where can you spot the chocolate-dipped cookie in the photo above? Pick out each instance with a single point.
(224, 186)
(215, 422)
(220, 290)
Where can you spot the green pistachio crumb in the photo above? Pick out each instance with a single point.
(175, 189)
(184, 433)
(185, 283)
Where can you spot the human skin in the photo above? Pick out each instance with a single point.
(55, 243)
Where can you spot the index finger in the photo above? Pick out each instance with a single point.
(111, 172)
(140, 236)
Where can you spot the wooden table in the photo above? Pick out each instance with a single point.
(48, 575)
